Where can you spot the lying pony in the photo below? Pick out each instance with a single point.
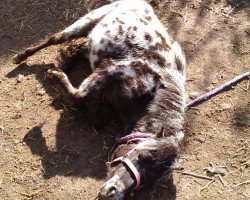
(141, 73)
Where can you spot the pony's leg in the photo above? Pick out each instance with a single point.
(80, 28)
(63, 78)
(96, 82)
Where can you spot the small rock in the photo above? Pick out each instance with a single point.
(193, 95)
(226, 106)
(209, 88)
(201, 140)
(41, 92)
(17, 116)
(215, 81)
(16, 141)
(215, 170)
(20, 78)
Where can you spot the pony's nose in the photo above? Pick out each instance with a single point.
(107, 191)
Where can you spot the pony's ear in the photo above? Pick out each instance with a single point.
(146, 158)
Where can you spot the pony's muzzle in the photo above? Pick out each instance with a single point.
(107, 191)
(113, 189)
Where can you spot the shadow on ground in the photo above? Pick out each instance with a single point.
(23, 23)
(80, 150)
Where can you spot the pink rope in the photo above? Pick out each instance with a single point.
(217, 90)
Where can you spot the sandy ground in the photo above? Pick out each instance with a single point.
(50, 151)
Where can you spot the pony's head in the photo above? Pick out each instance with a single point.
(135, 165)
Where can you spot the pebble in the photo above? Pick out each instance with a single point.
(209, 88)
(215, 81)
(226, 106)
(41, 92)
(20, 78)
(16, 141)
(193, 95)
(201, 140)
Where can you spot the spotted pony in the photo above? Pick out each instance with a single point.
(141, 73)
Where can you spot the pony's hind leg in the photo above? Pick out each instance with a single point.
(63, 78)
(80, 28)
(55, 39)
(95, 84)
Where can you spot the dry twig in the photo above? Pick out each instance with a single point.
(31, 194)
(197, 176)
(217, 90)
(243, 183)
(206, 186)
(221, 180)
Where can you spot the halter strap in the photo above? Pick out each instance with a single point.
(132, 137)
(130, 165)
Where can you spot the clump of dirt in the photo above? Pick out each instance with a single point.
(50, 151)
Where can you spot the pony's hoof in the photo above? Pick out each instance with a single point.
(56, 73)
(50, 73)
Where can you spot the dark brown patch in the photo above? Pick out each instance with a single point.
(135, 28)
(163, 40)
(116, 38)
(153, 55)
(112, 51)
(132, 46)
(120, 30)
(102, 41)
(120, 21)
(148, 37)
(109, 46)
(143, 21)
(148, 18)
(159, 46)
(103, 63)
(104, 25)
(143, 69)
(150, 54)
(132, 36)
(107, 32)
(179, 65)
(90, 41)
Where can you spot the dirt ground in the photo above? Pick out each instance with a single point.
(50, 151)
